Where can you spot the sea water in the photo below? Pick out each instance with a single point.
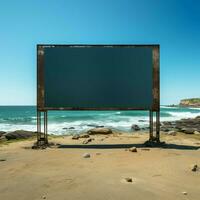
(69, 122)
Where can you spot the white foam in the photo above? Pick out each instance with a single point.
(181, 115)
(169, 107)
(194, 108)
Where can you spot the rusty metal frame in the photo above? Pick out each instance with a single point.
(41, 89)
(42, 136)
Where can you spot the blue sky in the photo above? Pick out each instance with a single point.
(175, 25)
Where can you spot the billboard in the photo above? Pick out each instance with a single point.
(98, 77)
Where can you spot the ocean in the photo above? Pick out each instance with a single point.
(24, 117)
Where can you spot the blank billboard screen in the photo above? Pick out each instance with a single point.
(81, 77)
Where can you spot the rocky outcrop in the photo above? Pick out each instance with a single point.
(187, 126)
(19, 134)
(194, 102)
(2, 133)
(102, 131)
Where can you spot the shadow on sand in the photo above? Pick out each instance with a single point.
(118, 146)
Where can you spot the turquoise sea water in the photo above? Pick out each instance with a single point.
(24, 117)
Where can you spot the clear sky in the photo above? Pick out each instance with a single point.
(174, 24)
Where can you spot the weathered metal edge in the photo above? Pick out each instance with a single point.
(40, 78)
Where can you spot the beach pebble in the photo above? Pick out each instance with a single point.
(197, 132)
(75, 137)
(86, 141)
(128, 179)
(184, 193)
(44, 197)
(173, 133)
(133, 149)
(195, 168)
(2, 133)
(84, 135)
(96, 131)
(2, 159)
(86, 155)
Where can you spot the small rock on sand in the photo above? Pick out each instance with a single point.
(86, 155)
(2, 159)
(19, 134)
(195, 168)
(96, 131)
(184, 193)
(98, 153)
(173, 133)
(128, 179)
(75, 137)
(133, 149)
(84, 136)
(86, 141)
(2, 133)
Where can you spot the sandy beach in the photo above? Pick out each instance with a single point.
(61, 172)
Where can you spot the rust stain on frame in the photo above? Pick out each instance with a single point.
(156, 78)
(155, 75)
(40, 78)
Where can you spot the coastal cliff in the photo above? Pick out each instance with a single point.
(193, 102)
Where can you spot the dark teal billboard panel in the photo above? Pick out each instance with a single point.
(81, 77)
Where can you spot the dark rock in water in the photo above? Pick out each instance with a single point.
(69, 128)
(135, 127)
(91, 125)
(75, 137)
(96, 131)
(142, 120)
(99, 126)
(19, 134)
(2, 133)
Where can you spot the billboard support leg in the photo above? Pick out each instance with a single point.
(38, 126)
(45, 127)
(42, 137)
(150, 125)
(158, 126)
(153, 138)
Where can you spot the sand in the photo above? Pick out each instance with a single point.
(63, 173)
